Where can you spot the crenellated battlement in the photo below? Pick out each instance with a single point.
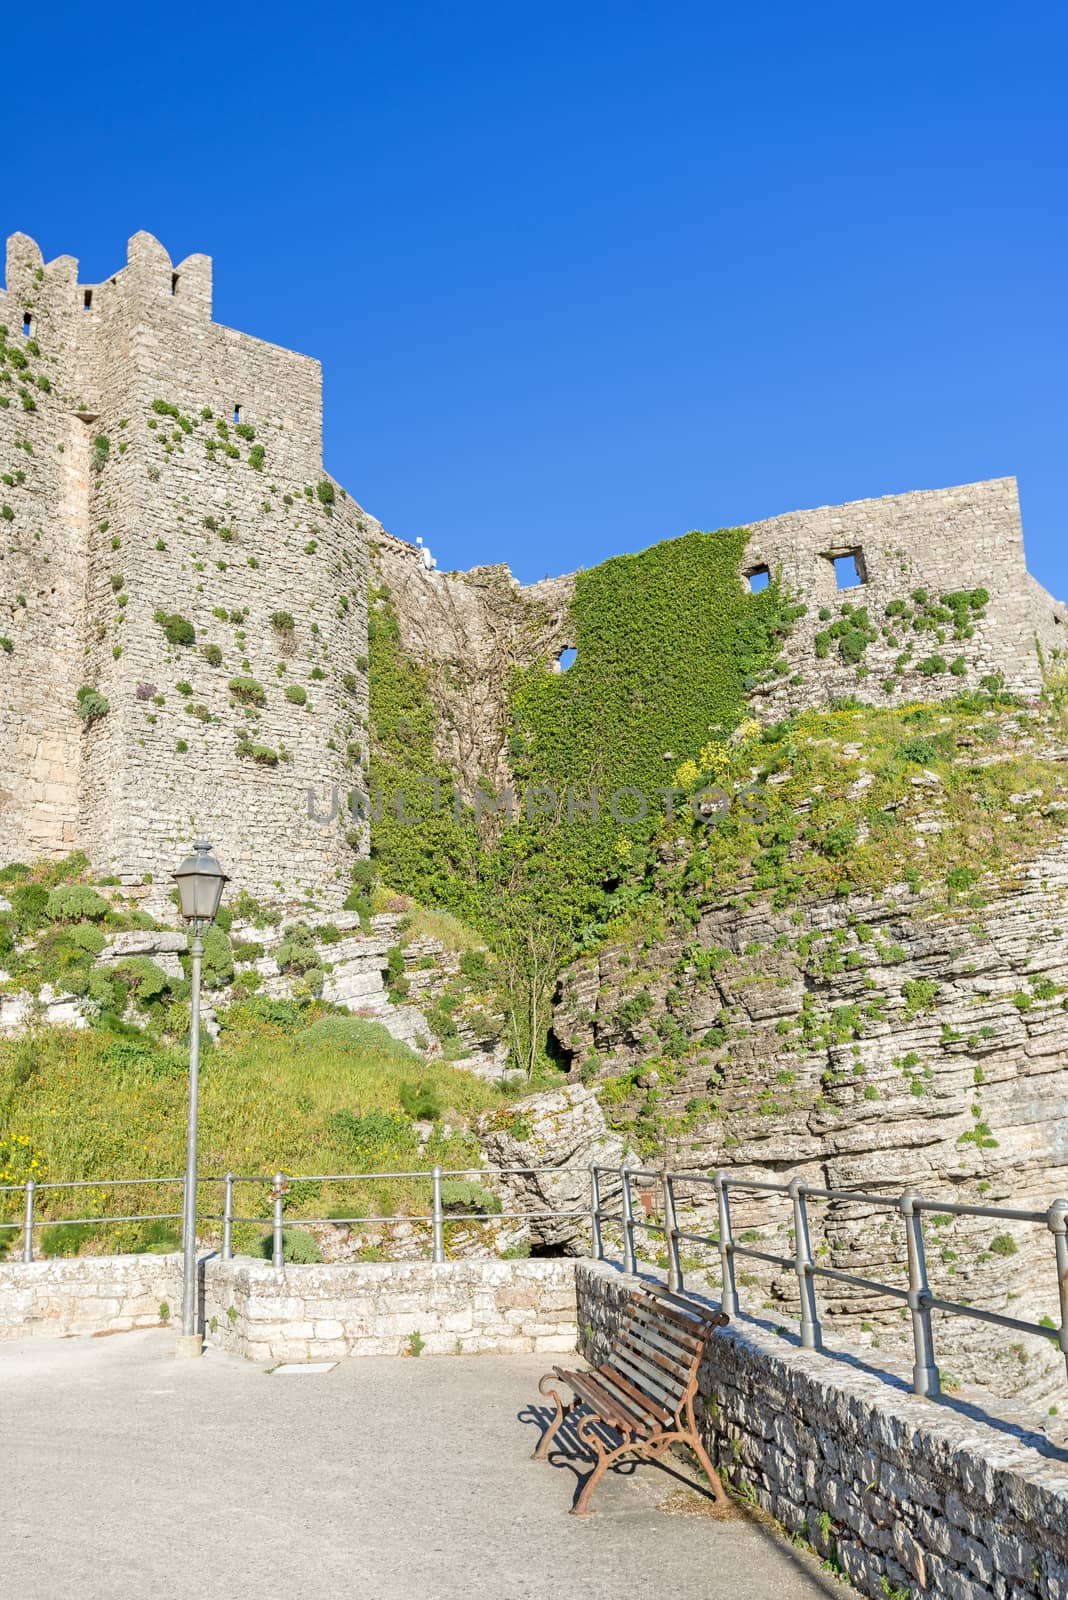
(149, 275)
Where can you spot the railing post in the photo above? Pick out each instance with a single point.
(629, 1263)
(228, 1216)
(27, 1222)
(277, 1246)
(439, 1219)
(674, 1268)
(925, 1377)
(596, 1242)
(811, 1334)
(728, 1294)
(1058, 1226)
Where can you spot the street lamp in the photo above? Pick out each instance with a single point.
(201, 882)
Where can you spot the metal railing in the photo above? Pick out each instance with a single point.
(910, 1206)
(280, 1184)
(918, 1297)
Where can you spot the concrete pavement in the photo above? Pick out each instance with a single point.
(129, 1475)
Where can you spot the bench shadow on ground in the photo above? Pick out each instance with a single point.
(685, 1493)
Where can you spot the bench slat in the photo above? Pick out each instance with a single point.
(608, 1405)
(614, 1371)
(647, 1345)
(682, 1302)
(651, 1382)
(639, 1373)
(631, 1413)
(685, 1351)
(688, 1327)
(663, 1383)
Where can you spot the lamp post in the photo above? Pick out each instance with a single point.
(201, 882)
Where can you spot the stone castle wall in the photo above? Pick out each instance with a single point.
(128, 489)
(469, 628)
(938, 541)
(142, 496)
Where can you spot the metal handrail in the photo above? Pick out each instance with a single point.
(910, 1206)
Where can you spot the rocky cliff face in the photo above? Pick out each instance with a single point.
(469, 630)
(870, 1043)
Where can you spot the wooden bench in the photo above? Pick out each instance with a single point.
(644, 1390)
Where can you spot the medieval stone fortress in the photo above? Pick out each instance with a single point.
(805, 1056)
(184, 621)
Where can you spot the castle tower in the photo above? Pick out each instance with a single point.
(183, 616)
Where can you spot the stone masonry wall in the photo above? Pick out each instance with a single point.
(87, 1295)
(938, 540)
(902, 1495)
(469, 628)
(376, 1308)
(174, 466)
(303, 1312)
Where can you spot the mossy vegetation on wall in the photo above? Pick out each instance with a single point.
(669, 644)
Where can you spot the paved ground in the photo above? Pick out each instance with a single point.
(130, 1475)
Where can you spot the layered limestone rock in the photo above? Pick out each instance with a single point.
(871, 1045)
(561, 1133)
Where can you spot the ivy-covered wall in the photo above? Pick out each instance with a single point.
(669, 644)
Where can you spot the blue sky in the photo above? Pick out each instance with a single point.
(586, 276)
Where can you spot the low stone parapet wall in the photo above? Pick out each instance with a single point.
(301, 1313)
(88, 1294)
(388, 1308)
(902, 1495)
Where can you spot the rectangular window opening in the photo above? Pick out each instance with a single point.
(758, 578)
(174, 283)
(849, 570)
(237, 413)
(27, 324)
(87, 300)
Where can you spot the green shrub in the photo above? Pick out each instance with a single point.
(212, 655)
(296, 694)
(1002, 1244)
(920, 995)
(61, 1239)
(75, 902)
(298, 1247)
(90, 705)
(324, 492)
(356, 900)
(249, 691)
(920, 750)
(157, 1238)
(29, 906)
(363, 875)
(282, 621)
(930, 665)
(218, 965)
(461, 1197)
(91, 940)
(297, 952)
(176, 628)
(421, 1101)
(371, 1133)
(148, 982)
(256, 457)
